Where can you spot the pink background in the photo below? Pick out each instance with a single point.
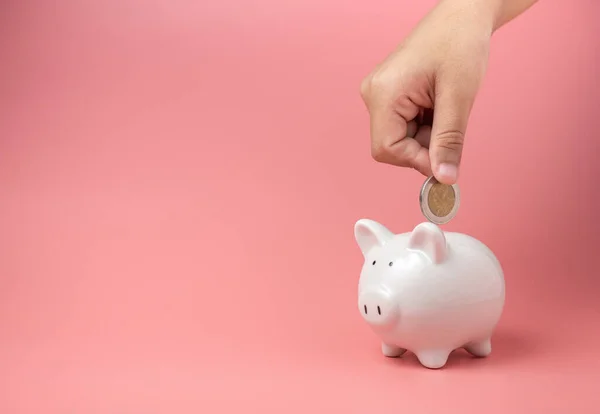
(179, 182)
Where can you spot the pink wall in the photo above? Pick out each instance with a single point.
(179, 182)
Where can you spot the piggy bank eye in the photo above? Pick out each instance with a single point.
(391, 264)
(374, 261)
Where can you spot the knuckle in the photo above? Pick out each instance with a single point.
(365, 87)
(379, 81)
(384, 154)
(450, 139)
(380, 153)
(374, 85)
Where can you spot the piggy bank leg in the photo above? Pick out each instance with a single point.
(391, 350)
(433, 359)
(479, 348)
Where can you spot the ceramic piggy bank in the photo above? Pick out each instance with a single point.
(428, 292)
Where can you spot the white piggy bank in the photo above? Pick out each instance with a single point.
(428, 292)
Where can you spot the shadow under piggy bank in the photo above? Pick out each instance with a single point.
(508, 346)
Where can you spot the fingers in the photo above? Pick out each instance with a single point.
(391, 141)
(394, 130)
(450, 119)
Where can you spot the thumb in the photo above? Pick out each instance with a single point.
(450, 117)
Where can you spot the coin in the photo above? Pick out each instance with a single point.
(439, 202)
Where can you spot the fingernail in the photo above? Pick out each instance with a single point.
(447, 173)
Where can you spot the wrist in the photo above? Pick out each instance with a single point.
(484, 13)
(490, 13)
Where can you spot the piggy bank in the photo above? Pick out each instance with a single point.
(428, 292)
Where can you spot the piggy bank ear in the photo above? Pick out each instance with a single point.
(429, 239)
(369, 233)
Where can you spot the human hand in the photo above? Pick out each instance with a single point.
(420, 97)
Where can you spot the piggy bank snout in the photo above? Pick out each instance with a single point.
(377, 306)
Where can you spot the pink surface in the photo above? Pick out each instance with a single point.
(179, 182)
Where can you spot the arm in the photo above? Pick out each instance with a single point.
(438, 66)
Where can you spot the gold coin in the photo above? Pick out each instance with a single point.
(439, 202)
(441, 199)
